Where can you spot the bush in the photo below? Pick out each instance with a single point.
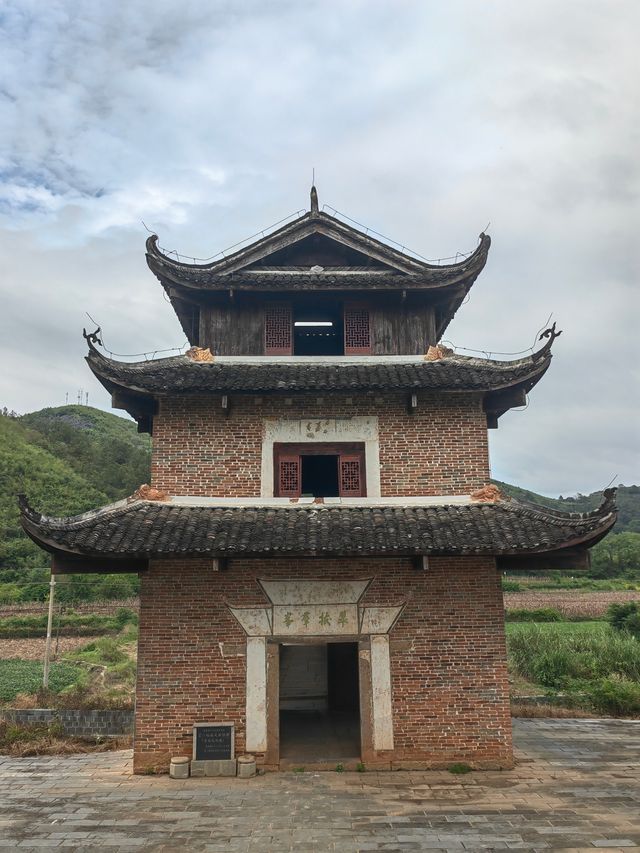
(617, 696)
(511, 586)
(9, 593)
(543, 614)
(625, 617)
(556, 659)
(103, 651)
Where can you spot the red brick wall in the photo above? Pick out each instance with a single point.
(448, 657)
(441, 449)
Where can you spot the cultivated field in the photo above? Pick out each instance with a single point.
(570, 603)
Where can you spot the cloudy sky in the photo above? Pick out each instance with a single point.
(423, 120)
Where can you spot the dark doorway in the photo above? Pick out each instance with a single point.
(319, 702)
(343, 678)
(320, 476)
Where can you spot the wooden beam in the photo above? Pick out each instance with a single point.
(73, 565)
(134, 402)
(571, 559)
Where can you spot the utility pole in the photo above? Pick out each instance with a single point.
(47, 648)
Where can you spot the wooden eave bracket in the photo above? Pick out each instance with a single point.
(495, 404)
(142, 409)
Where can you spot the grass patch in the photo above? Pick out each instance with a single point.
(459, 768)
(69, 624)
(25, 676)
(538, 710)
(557, 658)
(584, 667)
(542, 614)
(99, 675)
(105, 651)
(586, 627)
(524, 584)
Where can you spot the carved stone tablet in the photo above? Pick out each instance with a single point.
(213, 741)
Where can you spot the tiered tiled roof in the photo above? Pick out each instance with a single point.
(159, 529)
(211, 277)
(227, 374)
(375, 266)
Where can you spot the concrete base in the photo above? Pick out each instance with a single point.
(246, 766)
(221, 767)
(179, 767)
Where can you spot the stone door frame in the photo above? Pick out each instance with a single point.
(272, 754)
(315, 612)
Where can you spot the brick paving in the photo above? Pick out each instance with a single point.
(576, 787)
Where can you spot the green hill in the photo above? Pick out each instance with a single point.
(103, 448)
(66, 460)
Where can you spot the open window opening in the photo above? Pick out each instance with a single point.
(319, 470)
(320, 476)
(317, 330)
(319, 702)
(317, 327)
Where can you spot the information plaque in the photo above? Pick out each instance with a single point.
(213, 741)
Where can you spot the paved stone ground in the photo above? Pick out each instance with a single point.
(576, 787)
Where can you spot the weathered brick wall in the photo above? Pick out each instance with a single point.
(448, 656)
(441, 449)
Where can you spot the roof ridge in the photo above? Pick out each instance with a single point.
(607, 506)
(421, 266)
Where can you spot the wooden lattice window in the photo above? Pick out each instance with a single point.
(278, 336)
(291, 471)
(350, 472)
(357, 329)
(289, 475)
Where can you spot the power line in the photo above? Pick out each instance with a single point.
(151, 353)
(489, 353)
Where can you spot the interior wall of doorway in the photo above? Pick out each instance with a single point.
(319, 702)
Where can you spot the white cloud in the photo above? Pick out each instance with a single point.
(424, 121)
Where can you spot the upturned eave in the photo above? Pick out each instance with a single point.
(137, 386)
(148, 530)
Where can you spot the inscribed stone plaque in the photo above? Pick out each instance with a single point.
(213, 741)
(315, 619)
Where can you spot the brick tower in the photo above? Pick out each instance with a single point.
(320, 551)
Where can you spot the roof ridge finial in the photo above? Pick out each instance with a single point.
(314, 201)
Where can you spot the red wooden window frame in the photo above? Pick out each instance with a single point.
(289, 475)
(357, 328)
(350, 467)
(351, 455)
(278, 328)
